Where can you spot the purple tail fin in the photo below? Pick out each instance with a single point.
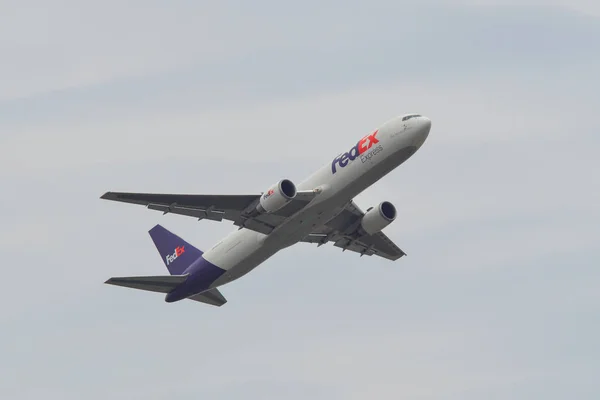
(177, 254)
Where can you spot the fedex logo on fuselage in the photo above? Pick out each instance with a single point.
(361, 147)
(169, 258)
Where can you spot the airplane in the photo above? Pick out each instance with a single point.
(318, 210)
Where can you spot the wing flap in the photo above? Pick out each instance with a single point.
(188, 211)
(384, 246)
(160, 284)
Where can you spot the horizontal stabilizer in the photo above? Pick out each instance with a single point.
(161, 284)
(212, 296)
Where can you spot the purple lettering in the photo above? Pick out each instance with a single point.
(344, 160)
(353, 152)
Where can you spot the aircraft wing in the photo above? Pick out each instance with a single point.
(340, 231)
(235, 208)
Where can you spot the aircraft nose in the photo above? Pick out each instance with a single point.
(425, 124)
(421, 131)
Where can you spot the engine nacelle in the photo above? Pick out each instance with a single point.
(377, 218)
(277, 196)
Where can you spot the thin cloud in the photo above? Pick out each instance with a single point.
(497, 212)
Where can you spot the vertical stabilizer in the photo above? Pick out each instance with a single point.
(176, 253)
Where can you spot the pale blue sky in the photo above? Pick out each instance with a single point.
(499, 212)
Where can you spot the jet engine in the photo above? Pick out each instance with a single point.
(377, 218)
(276, 196)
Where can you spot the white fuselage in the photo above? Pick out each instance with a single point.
(339, 181)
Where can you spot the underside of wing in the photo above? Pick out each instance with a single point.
(343, 233)
(240, 209)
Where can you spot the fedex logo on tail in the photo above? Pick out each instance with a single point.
(361, 147)
(172, 257)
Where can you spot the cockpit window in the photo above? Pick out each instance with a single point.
(406, 118)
